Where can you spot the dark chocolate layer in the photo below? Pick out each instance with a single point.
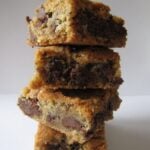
(58, 69)
(97, 26)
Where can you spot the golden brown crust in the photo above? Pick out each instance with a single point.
(46, 136)
(65, 21)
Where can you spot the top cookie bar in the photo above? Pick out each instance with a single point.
(75, 22)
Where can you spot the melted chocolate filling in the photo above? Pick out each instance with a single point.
(71, 123)
(29, 107)
(97, 26)
(58, 69)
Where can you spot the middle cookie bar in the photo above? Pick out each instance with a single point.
(77, 113)
(76, 67)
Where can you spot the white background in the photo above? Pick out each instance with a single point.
(16, 58)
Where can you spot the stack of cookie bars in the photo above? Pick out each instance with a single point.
(74, 89)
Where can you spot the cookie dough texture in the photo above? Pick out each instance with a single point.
(76, 113)
(75, 22)
(76, 67)
(49, 139)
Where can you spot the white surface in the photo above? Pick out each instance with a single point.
(16, 58)
(130, 130)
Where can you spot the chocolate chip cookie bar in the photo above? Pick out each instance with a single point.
(77, 22)
(76, 67)
(77, 113)
(49, 139)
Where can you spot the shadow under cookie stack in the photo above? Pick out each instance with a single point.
(74, 89)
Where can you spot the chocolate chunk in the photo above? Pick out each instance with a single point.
(29, 107)
(71, 122)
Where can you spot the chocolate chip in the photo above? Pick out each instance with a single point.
(28, 19)
(29, 107)
(49, 14)
(71, 122)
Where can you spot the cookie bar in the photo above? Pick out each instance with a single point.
(76, 67)
(77, 22)
(49, 139)
(77, 113)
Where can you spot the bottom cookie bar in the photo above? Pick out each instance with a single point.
(49, 139)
